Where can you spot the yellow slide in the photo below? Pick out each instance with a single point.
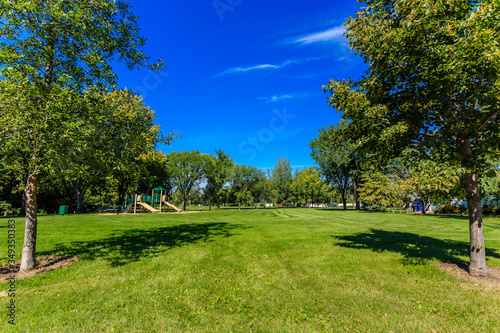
(164, 199)
(148, 207)
(170, 205)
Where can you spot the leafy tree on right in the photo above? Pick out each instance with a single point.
(433, 83)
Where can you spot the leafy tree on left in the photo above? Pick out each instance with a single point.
(50, 52)
(120, 144)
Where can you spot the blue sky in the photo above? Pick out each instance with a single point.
(244, 75)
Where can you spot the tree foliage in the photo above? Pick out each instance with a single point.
(338, 159)
(308, 187)
(119, 142)
(187, 170)
(218, 174)
(243, 182)
(281, 176)
(380, 190)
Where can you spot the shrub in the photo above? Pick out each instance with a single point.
(491, 210)
(6, 209)
(449, 209)
(5, 206)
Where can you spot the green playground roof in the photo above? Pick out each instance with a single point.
(159, 188)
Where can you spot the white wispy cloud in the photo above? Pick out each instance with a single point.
(331, 35)
(275, 98)
(236, 70)
(278, 98)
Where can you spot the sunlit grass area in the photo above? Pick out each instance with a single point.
(259, 270)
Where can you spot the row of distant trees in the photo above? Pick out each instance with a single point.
(107, 169)
(216, 179)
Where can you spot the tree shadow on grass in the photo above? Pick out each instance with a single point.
(416, 249)
(453, 217)
(132, 245)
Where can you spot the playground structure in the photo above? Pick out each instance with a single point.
(154, 203)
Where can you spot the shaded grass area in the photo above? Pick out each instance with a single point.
(413, 247)
(264, 270)
(123, 247)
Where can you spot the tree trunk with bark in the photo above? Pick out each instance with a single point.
(29, 246)
(356, 195)
(80, 196)
(344, 201)
(477, 265)
(122, 188)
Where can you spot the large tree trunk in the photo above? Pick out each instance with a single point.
(29, 247)
(477, 265)
(80, 196)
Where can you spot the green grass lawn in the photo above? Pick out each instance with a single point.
(264, 270)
